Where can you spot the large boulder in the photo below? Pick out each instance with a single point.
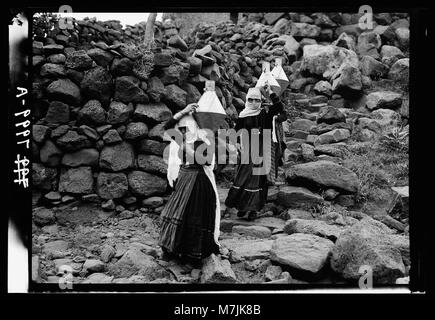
(117, 157)
(97, 84)
(300, 251)
(127, 89)
(324, 60)
(112, 185)
(76, 180)
(145, 184)
(64, 90)
(367, 243)
(383, 100)
(323, 174)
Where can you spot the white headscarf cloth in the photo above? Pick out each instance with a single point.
(193, 133)
(251, 109)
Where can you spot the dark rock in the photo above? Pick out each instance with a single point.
(383, 100)
(216, 270)
(72, 141)
(112, 136)
(368, 44)
(175, 97)
(152, 113)
(323, 174)
(193, 94)
(76, 180)
(145, 184)
(43, 217)
(347, 80)
(151, 147)
(136, 131)
(52, 70)
(88, 132)
(122, 67)
(117, 157)
(97, 84)
(128, 90)
(195, 65)
(151, 163)
(40, 133)
(297, 197)
(304, 252)
(119, 112)
(43, 177)
(330, 115)
(112, 185)
(366, 243)
(163, 59)
(314, 227)
(156, 89)
(52, 49)
(57, 113)
(78, 60)
(92, 113)
(64, 90)
(101, 57)
(50, 155)
(84, 157)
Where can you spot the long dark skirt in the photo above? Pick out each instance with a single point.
(188, 218)
(249, 192)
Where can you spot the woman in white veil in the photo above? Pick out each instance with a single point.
(190, 219)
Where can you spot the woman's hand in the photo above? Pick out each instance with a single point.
(267, 88)
(189, 108)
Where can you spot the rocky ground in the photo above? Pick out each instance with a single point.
(341, 202)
